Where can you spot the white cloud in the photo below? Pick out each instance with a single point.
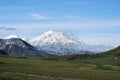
(7, 28)
(37, 16)
(76, 24)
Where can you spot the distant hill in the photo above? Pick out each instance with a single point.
(111, 55)
(113, 52)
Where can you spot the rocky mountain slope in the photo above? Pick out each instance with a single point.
(18, 47)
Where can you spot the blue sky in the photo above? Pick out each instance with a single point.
(93, 21)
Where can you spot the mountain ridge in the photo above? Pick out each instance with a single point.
(61, 43)
(18, 47)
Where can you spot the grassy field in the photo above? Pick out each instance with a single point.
(77, 67)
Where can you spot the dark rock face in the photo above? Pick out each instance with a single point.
(18, 47)
(3, 53)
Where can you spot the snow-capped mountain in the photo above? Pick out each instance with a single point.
(61, 44)
(11, 36)
(14, 36)
(18, 47)
(55, 38)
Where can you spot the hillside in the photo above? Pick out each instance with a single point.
(111, 57)
(113, 52)
(103, 66)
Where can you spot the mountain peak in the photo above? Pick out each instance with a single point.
(11, 36)
(52, 37)
(50, 32)
(53, 33)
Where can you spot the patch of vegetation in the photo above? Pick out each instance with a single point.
(1, 63)
(103, 67)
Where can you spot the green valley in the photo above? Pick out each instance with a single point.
(102, 66)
